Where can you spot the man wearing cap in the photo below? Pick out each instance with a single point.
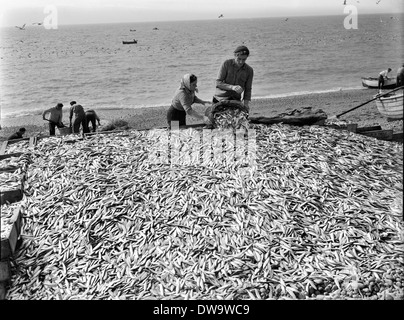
(79, 117)
(235, 77)
(55, 118)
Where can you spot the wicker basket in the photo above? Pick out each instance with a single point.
(64, 131)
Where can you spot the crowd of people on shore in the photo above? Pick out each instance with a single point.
(79, 118)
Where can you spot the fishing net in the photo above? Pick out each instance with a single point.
(228, 114)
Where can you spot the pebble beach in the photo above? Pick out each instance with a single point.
(331, 103)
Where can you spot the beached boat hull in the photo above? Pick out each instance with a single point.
(374, 83)
(391, 106)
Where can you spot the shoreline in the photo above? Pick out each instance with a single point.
(331, 102)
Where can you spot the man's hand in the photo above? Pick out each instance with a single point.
(238, 89)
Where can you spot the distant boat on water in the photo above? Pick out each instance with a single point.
(129, 42)
(155, 28)
(132, 30)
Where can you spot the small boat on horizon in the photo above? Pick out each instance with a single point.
(370, 82)
(391, 106)
(129, 42)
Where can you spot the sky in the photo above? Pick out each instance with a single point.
(18, 12)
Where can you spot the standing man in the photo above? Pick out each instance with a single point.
(235, 77)
(91, 116)
(79, 117)
(383, 76)
(55, 118)
(400, 76)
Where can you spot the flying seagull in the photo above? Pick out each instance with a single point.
(38, 23)
(344, 3)
(286, 19)
(377, 2)
(21, 28)
(221, 16)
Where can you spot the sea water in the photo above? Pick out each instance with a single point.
(89, 63)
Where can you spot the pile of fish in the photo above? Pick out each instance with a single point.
(9, 181)
(231, 118)
(316, 215)
(12, 172)
(20, 146)
(228, 114)
(12, 162)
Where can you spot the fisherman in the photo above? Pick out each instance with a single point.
(55, 118)
(400, 76)
(79, 117)
(17, 135)
(235, 77)
(384, 75)
(91, 116)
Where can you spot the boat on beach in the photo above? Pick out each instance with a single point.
(391, 106)
(370, 82)
(129, 42)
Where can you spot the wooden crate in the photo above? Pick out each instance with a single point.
(3, 290)
(398, 136)
(5, 144)
(9, 239)
(11, 196)
(5, 271)
(379, 134)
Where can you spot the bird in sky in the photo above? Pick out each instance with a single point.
(344, 2)
(38, 23)
(286, 19)
(377, 2)
(21, 28)
(221, 16)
